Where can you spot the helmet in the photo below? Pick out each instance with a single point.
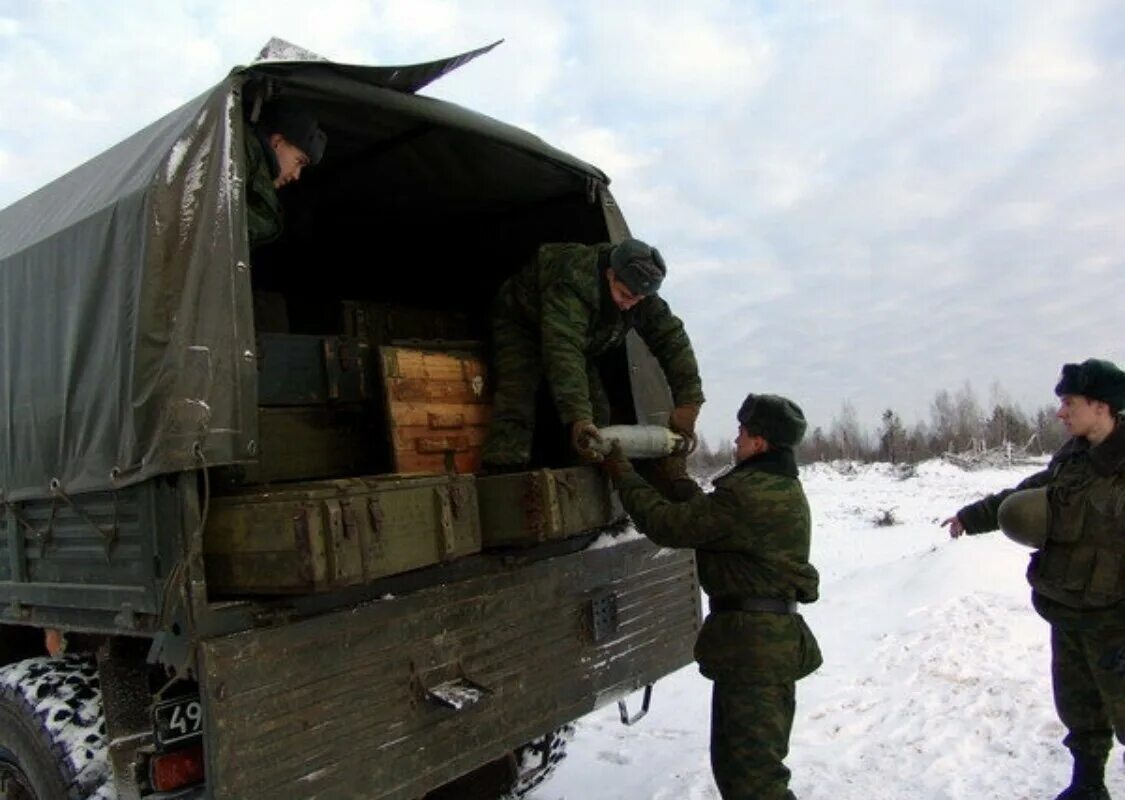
(1023, 517)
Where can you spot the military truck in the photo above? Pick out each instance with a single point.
(246, 551)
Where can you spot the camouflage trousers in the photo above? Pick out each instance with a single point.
(750, 726)
(1089, 698)
(517, 365)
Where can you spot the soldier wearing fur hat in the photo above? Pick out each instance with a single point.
(568, 307)
(751, 536)
(1073, 514)
(284, 140)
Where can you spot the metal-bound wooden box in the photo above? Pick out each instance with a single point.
(438, 408)
(525, 508)
(319, 536)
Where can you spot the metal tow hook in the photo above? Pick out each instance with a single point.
(623, 709)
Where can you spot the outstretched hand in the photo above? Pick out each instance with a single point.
(956, 528)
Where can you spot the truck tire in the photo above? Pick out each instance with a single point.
(513, 775)
(537, 760)
(52, 730)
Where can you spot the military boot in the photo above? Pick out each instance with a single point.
(1087, 781)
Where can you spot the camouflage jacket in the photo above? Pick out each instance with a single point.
(562, 297)
(751, 537)
(1079, 574)
(263, 208)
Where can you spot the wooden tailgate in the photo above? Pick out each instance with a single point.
(438, 407)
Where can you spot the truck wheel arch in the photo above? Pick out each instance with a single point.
(18, 642)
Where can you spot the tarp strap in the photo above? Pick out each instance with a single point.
(109, 536)
(42, 536)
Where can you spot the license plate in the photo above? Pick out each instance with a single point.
(177, 720)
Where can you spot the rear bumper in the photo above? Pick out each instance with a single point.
(336, 706)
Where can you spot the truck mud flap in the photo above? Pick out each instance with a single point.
(343, 705)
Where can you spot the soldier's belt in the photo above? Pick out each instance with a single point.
(766, 604)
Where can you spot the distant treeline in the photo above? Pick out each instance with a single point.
(958, 424)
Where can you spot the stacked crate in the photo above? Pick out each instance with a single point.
(369, 442)
(313, 420)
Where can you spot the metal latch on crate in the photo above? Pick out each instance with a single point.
(344, 361)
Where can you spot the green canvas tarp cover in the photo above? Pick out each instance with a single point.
(127, 347)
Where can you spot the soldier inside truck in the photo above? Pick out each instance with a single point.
(281, 140)
(415, 223)
(551, 321)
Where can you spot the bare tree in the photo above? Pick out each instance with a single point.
(969, 425)
(957, 426)
(892, 438)
(1007, 425)
(943, 422)
(918, 444)
(1049, 432)
(847, 434)
(706, 459)
(815, 447)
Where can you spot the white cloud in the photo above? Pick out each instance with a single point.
(1021, 213)
(680, 55)
(603, 146)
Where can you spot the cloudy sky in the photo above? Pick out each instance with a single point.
(859, 200)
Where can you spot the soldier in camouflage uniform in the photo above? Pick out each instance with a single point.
(570, 305)
(751, 538)
(1077, 572)
(285, 140)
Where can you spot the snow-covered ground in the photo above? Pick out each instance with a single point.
(935, 684)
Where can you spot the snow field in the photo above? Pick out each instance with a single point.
(936, 681)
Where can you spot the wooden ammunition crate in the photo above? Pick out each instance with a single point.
(438, 407)
(315, 537)
(526, 508)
